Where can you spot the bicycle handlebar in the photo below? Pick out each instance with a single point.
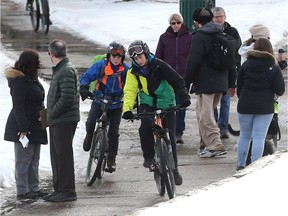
(105, 100)
(156, 112)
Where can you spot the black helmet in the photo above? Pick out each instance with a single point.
(116, 48)
(138, 47)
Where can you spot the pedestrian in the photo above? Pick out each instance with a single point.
(157, 84)
(209, 83)
(257, 31)
(110, 74)
(23, 125)
(62, 118)
(222, 118)
(259, 79)
(282, 59)
(173, 48)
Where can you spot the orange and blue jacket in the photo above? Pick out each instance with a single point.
(110, 80)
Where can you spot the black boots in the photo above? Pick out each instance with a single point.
(87, 142)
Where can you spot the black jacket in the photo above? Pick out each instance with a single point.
(258, 80)
(206, 79)
(27, 98)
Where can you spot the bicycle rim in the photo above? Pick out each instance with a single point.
(45, 16)
(92, 160)
(35, 15)
(167, 168)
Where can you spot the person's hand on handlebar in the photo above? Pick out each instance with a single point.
(128, 115)
(85, 93)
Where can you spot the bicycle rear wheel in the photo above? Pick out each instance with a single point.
(45, 16)
(167, 166)
(35, 15)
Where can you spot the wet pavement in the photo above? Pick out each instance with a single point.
(131, 187)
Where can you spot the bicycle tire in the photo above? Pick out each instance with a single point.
(35, 15)
(159, 182)
(45, 16)
(92, 160)
(103, 142)
(167, 167)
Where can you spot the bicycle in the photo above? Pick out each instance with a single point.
(39, 10)
(163, 164)
(97, 160)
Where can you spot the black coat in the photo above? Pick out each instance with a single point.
(206, 79)
(27, 98)
(258, 80)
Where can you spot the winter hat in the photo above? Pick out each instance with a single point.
(259, 31)
(281, 51)
(202, 15)
(175, 16)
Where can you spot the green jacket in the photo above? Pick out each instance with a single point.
(157, 88)
(63, 94)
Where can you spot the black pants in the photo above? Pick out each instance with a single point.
(146, 133)
(61, 153)
(113, 131)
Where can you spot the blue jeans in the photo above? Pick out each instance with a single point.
(253, 127)
(223, 117)
(180, 119)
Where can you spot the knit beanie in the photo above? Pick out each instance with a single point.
(175, 16)
(281, 51)
(259, 31)
(202, 15)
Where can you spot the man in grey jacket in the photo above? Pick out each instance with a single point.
(62, 116)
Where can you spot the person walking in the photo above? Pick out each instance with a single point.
(209, 83)
(157, 84)
(110, 74)
(23, 126)
(222, 118)
(173, 48)
(62, 117)
(259, 79)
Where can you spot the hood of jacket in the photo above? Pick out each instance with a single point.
(183, 30)
(11, 73)
(210, 28)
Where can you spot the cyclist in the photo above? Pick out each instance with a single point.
(157, 84)
(109, 74)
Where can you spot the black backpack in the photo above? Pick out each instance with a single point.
(222, 53)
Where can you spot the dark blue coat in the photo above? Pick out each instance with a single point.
(258, 80)
(27, 98)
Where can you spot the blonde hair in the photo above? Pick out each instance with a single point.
(175, 16)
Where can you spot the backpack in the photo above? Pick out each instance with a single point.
(222, 52)
(95, 59)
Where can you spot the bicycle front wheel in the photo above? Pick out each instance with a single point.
(45, 16)
(96, 162)
(167, 166)
(92, 160)
(35, 15)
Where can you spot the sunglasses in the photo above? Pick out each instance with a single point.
(174, 23)
(135, 50)
(117, 52)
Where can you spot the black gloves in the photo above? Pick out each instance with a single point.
(84, 92)
(185, 101)
(128, 115)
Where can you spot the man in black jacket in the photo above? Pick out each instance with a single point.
(209, 83)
